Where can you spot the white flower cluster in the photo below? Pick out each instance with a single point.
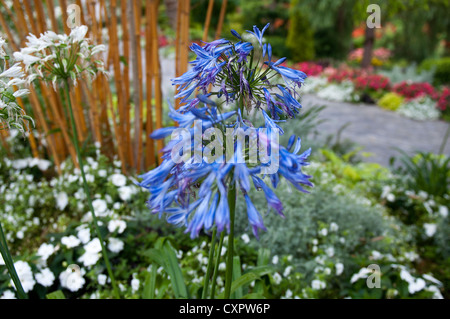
(11, 114)
(53, 57)
(314, 84)
(421, 109)
(23, 163)
(343, 92)
(415, 284)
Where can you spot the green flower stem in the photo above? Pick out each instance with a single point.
(216, 266)
(87, 191)
(10, 265)
(230, 252)
(210, 263)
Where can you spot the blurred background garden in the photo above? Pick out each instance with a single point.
(376, 112)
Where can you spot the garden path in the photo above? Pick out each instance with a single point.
(379, 131)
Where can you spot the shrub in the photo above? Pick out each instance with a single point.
(421, 109)
(427, 172)
(390, 101)
(411, 73)
(441, 69)
(300, 38)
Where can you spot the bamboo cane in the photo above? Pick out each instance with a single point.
(20, 20)
(135, 26)
(120, 148)
(208, 20)
(150, 146)
(8, 33)
(156, 72)
(51, 14)
(223, 10)
(63, 5)
(126, 77)
(114, 45)
(29, 11)
(41, 25)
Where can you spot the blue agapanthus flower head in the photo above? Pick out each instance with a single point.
(228, 82)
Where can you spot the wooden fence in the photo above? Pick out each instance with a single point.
(118, 112)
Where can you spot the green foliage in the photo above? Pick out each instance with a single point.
(390, 101)
(409, 73)
(165, 256)
(278, 43)
(300, 39)
(56, 295)
(426, 172)
(427, 21)
(441, 68)
(332, 24)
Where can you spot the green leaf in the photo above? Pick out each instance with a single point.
(253, 296)
(263, 257)
(174, 270)
(123, 60)
(150, 284)
(248, 277)
(165, 256)
(237, 274)
(155, 255)
(56, 295)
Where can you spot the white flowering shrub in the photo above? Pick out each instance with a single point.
(313, 84)
(342, 92)
(421, 109)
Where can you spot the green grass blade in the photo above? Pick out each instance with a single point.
(248, 277)
(237, 274)
(174, 270)
(56, 295)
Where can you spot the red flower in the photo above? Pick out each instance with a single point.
(444, 100)
(414, 90)
(344, 73)
(310, 68)
(372, 81)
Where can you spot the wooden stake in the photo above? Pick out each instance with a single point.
(51, 14)
(156, 72)
(150, 146)
(223, 10)
(208, 20)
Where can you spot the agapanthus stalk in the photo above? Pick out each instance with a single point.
(230, 250)
(87, 190)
